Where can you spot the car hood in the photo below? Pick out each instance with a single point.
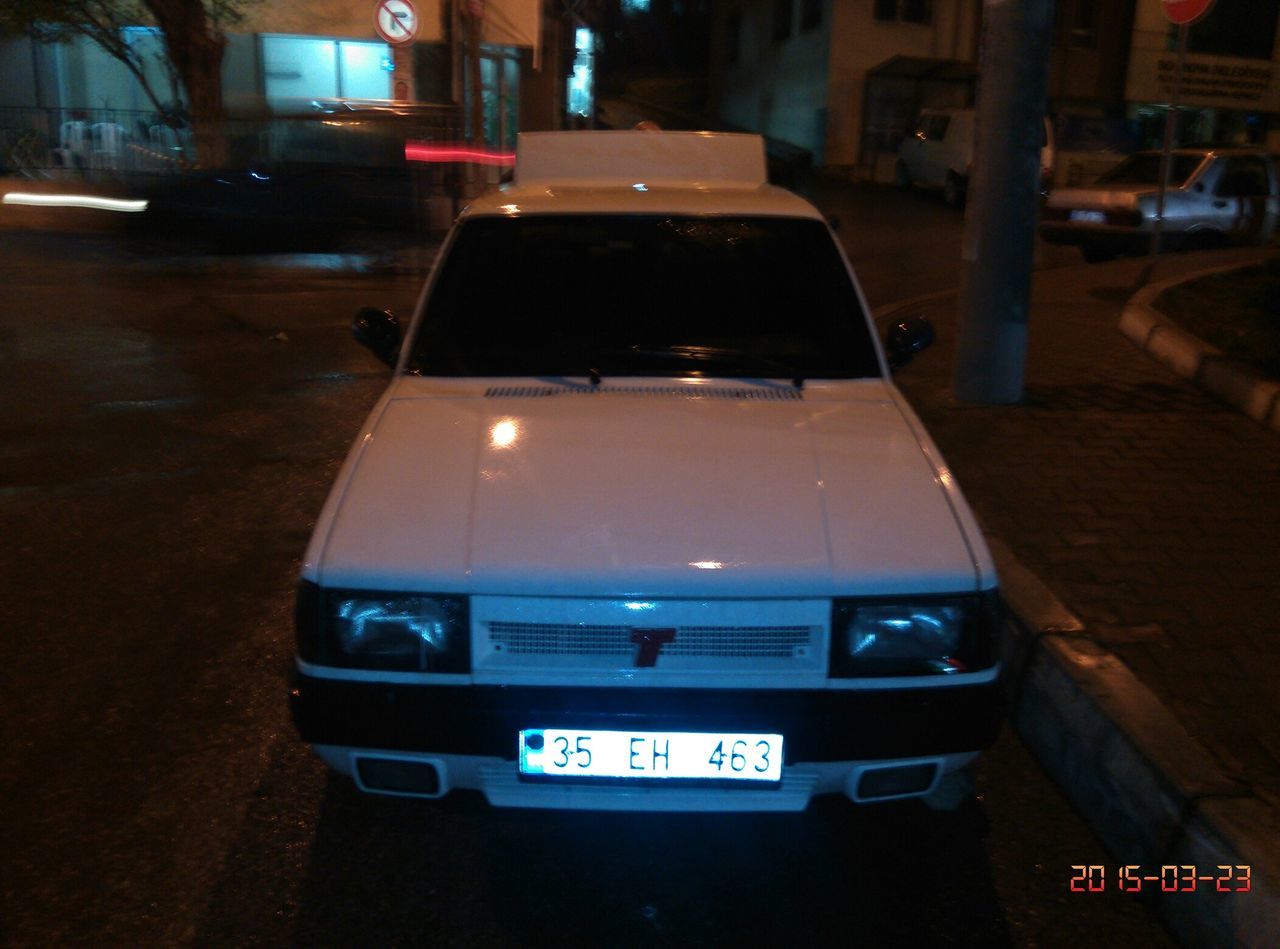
(644, 490)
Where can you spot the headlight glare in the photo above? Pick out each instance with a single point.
(905, 632)
(405, 628)
(912, 636)
(374, 630)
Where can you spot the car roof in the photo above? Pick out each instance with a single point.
(1208, 150)
(640, 172)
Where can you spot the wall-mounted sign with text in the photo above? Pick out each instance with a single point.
(1207, 81)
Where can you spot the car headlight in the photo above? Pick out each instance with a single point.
(925, 636)
(374, 630)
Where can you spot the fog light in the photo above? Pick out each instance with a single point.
(896, 781)
(397, 776)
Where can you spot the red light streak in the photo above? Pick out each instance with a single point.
(427, 151)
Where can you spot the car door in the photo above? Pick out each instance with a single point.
(1243, 196)
(911, 151)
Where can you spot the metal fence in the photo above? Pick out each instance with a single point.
(37, 142)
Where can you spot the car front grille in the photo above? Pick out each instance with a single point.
(740, 642)
(634, 641)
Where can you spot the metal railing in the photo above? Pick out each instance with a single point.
(39, 142)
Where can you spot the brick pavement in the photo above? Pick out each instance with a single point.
(1149, 508)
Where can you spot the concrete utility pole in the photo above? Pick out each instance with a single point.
(1003, 197)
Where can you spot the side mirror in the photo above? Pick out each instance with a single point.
(907, 337)
(378, 331)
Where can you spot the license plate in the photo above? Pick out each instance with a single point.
(1089, 217)
(596, 753)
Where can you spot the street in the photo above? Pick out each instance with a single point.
(167, 436)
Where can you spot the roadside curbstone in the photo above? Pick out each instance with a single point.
(1153, 794)
(1195, 360)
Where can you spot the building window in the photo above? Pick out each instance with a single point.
(810, 14)
(733, 38)
(916, 11)
(1084, 29)
(781, 20)
(298, 69)
(580, 95)
(1241, 28)
(904, 11)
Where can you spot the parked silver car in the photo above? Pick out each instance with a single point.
(1215, 197)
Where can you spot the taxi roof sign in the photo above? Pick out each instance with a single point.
(612, 159)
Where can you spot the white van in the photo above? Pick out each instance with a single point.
(939, 154)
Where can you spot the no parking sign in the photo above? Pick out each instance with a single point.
(396, 21)
(1184, 12)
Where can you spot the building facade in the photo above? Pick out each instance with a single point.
(844, 79)
(286, 54)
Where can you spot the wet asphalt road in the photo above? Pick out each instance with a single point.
(167, 436)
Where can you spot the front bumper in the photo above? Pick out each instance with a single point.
(819, 725)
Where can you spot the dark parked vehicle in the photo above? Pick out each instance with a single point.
(306, 179)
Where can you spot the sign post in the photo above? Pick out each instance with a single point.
(397, 23)
(1183, 13)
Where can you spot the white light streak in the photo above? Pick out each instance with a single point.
(94, 201)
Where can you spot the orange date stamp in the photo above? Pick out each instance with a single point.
(1166, 878)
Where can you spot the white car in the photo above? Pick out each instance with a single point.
(641, 521)
(938, 154)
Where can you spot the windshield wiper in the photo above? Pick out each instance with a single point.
(707, 354)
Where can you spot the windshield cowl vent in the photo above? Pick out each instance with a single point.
(786, 393)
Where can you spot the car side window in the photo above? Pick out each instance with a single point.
(1243, 177)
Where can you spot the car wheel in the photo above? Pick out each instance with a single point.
(1094, 254)
(1205, 240)
(901, 177)
(953, 190)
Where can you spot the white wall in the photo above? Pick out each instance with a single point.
(778, 88)
(859, 42)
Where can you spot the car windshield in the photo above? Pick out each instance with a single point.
(1144, 169)
(644, 295)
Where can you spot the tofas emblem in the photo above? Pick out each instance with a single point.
(649, 644)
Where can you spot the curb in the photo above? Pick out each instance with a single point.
(1152, 792)
(1195, 360)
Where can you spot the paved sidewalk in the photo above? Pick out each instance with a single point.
(1151, 509)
